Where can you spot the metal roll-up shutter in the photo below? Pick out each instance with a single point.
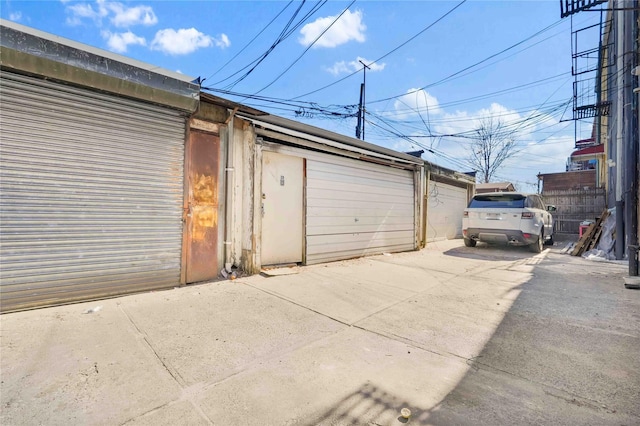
(355, 208)
(91, 194)
(444, 211)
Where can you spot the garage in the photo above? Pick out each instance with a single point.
(354, 198)
(447, 193)
(91, 183)
(356, 209)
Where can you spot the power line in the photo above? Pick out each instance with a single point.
(386, 54)
(498, 92)
(400, 112)
(475, 64)
(395, 132)
(307, 49)
(251, 41)
(286, 32)
(280, 38)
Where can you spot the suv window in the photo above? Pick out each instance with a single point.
(534, 202)
(510, 201)
(530, 203)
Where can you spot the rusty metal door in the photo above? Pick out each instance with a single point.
(202, 207)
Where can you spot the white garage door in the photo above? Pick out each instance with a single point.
(355, 208)
(444, 211)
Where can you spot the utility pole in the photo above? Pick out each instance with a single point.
(361, 109)
(630, 153)
(359, 127)
(620, 81)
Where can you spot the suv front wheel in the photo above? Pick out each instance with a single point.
(538, 245)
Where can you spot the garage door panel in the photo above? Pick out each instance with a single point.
(360, 192)
(358, 252)
(61, 105)
(345, 229)
(356, 208)
(86, 193)
(100, 155)
(92, 192)
(326, 178)
(353, 240)
(57, 292)
(355, 168)
(361, 220)
(445, 207)
(46, 274)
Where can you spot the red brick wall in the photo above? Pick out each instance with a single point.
(582, 179)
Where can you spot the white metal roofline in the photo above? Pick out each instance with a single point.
(96, 51)
(363, 148)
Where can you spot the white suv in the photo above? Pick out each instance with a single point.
(508, 217)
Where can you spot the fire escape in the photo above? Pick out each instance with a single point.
(587, 68)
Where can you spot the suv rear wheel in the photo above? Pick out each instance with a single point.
(538, 245)
(469, 242)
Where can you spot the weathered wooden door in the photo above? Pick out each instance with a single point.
(282, 208)
(202, 208)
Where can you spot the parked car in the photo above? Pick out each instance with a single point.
(508, 217)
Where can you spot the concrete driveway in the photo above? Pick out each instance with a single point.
(484, 335)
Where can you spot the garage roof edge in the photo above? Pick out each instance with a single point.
(329, 138)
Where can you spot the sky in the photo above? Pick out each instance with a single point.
(436, 69)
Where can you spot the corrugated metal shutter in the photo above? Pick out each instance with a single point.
(444, 211)
(355, 208)
(91, 194)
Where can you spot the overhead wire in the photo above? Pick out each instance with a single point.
(442, 80)
(290, 27)
(536, 83)
(262, 57)
(436, 152)
(386, 54)
(250, 41)
(307, 49)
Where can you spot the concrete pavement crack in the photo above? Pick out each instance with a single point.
(279, 296)
(169, 368)
(204, 386)
(172, 371)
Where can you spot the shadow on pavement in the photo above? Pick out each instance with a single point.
(371, 405)
(564, 354)
(495, 252)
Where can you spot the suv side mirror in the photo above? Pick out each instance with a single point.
(551, 208)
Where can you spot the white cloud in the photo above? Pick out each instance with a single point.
(414, 103)
(348, 27)
(15, 16)
(340, 68)
(464, 121)
(80, 11)
(129, 16)
(222, 41)
(344, 67)
(403, 145)
(119, 14)
(119, 42)
(184, 41)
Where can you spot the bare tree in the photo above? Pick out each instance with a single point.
(492, 144)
